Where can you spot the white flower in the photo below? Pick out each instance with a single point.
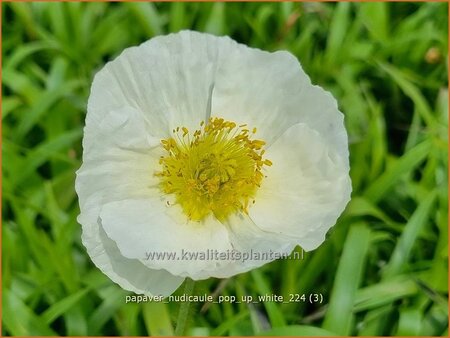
(195, 143)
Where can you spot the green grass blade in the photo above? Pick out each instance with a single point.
(157, 319)
(411, 91)
(114, 299)
(275, 315)
(20, 320)
(62, 306)
(403, 166)
(298, 330)
(147, 16)
(339, 315)
(415, 225)
(384, 293)
(338, 31)
(229, 323)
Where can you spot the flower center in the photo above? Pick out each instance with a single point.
(217, 169)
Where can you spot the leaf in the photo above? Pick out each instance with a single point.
(21, 53)
(43, 152)
(43, 105)
(9, 104)
(273, 311)
(216, 21)
(21, 84)
(298, 330)
(375, 17)
(59, 308)
(411, 91)
(147, 17)
(338, 31)
(414, 226)
(177, 16)
(409, 323)
(360, 206)
(157, 319)
(384, 293)
(339, 315)
(20, 320)
(114, 298)
(229, 323)
(404, 165)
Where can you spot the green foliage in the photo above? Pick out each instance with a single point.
(384, 268)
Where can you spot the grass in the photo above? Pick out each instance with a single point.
(384, 268)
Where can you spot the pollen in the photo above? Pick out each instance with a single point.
(215, 170)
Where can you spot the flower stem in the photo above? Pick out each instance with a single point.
(184, 308)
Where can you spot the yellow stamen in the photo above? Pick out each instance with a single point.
(215, 171)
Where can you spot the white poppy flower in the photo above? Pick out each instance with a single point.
(193, 143)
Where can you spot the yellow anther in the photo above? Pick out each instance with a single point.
(217, 172)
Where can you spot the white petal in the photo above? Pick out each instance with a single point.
(254, 247)
(119, 161)
(174, 80)
(305, 190)
(130, 274)
(168, 79)
(270, 91)
(143, 227)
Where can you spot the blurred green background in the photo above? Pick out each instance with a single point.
(383, 269)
